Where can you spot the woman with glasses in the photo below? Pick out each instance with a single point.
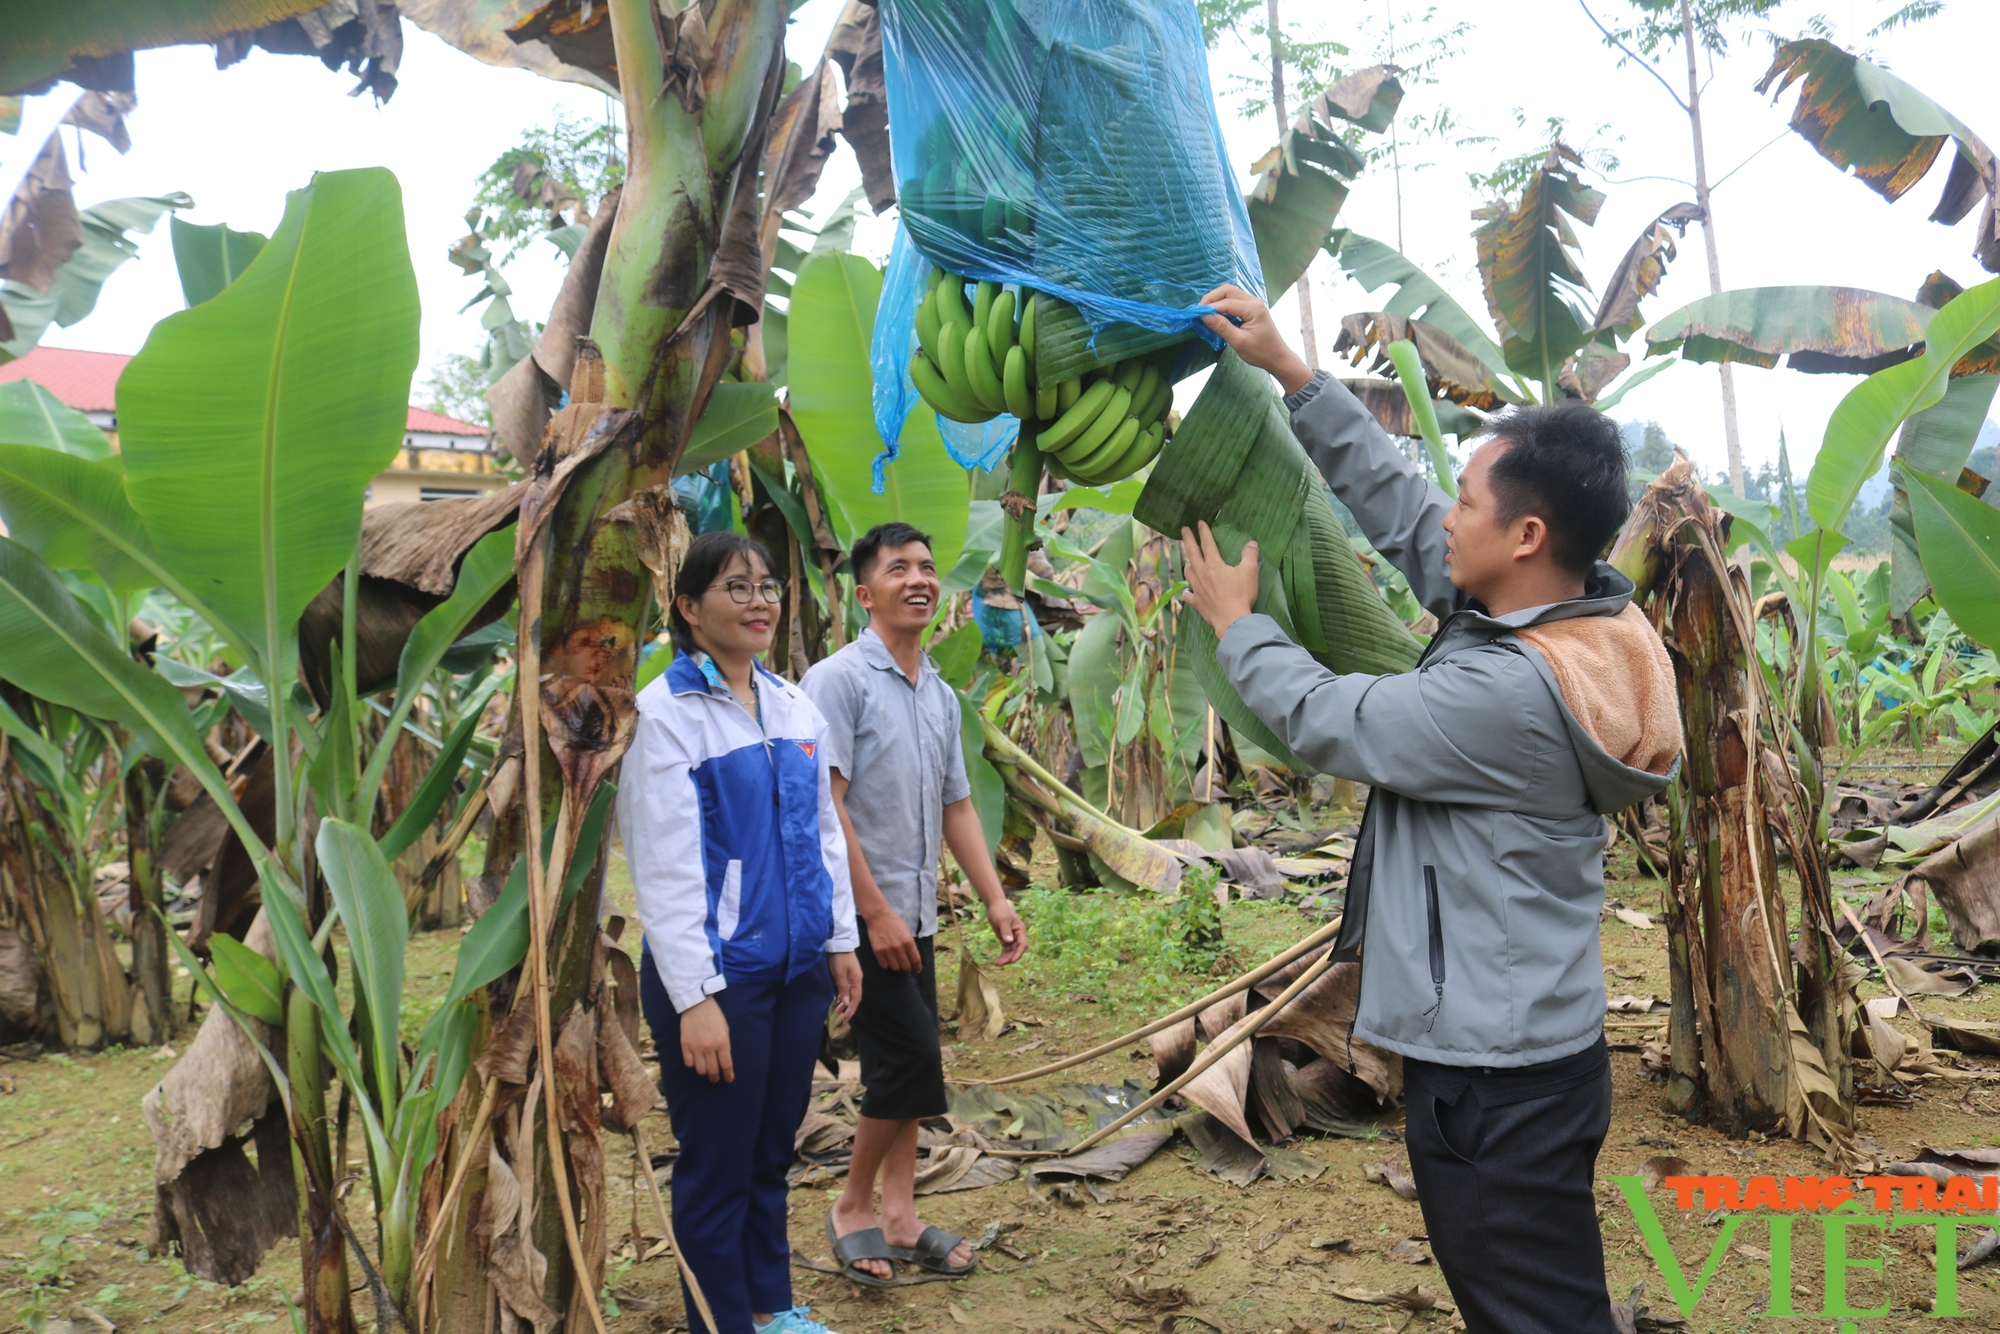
(740, 870)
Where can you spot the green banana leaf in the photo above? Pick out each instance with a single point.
(250, 981)
(365, 891)
(1820, 330)
(211, 258)
(1939, 439)
(989, 791)
(832, 400)
(430, 795)
(31, 415)
(1423, 411)
(737, 417)
(1868, 416)
(1093, 681)
(1376, 264)
(1236, 465)
(72, 511)
(252, 423)
(1959, 538)
(74, 292)
(50, 647)
(1528, 256)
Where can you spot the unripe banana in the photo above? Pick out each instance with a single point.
(1028, 330)
(1107, 420)
(1068, 392)
(1128, 373)
(927, 328)
(1143, 451)
(999, 326)
(1143, 397)
(940, 395)
(1046, 401)
(986, 386)
(951, 360)
(932, 278)
(982, 303)
(1078, 416)
(1113, 447)
(950, 297)
(1014, 381)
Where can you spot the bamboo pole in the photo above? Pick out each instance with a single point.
(1238, 1033)
(1188, 1011)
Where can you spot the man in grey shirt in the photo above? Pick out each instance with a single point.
(900, 787)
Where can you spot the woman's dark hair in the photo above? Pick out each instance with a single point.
(707, 557)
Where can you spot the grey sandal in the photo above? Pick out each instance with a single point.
(862, 1244)
(933, 1252)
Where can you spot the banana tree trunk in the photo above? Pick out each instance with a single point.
(152, 986)
(598, 542)
(87, 986)
(1759, 1030)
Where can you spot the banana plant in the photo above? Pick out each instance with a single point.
(1547, 341)
(240, 495)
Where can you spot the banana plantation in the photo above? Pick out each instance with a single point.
(321, 919)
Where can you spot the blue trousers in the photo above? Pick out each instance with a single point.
(736, 1138)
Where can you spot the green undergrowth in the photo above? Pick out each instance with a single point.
(1136, 954)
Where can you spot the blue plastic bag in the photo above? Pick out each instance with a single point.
(971, 445)
(1069, 146)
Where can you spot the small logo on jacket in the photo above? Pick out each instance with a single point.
(807, 746)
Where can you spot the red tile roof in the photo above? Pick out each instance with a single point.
(88, 382)
(422, 419)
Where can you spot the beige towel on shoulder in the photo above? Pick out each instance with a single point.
(1617, 679)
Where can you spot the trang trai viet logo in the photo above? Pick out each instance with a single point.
(1853, 1217)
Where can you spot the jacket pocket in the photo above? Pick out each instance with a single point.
(730, 906)
(1436, 926)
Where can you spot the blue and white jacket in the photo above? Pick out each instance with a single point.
(738, 860)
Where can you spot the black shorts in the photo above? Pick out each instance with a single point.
(896, 1028)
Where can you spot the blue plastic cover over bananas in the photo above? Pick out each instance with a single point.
(1070, 146)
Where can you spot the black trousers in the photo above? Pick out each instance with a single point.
(896, 1029)
(1505, 1182)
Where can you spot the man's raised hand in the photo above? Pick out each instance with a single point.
(1222, 593)
(1250, 330)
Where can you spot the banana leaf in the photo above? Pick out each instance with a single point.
(1528, 261)
(1822, 330)
(31, 415)
(1376, 264)
(210, 258)
(1960, 541)
(832, 387)
(1236, 465)
(1840, 113)
(253, 422)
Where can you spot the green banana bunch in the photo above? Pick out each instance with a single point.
(1114, 426)
(974, 364)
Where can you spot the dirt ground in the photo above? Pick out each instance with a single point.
(76, 1189)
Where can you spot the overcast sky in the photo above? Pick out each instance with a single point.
(238, 139)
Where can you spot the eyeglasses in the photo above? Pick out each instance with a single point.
(740, 590)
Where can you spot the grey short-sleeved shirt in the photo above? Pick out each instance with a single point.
(898, 747)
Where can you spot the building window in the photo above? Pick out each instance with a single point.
(443, 493)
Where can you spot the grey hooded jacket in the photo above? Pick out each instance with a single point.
(1479, 872)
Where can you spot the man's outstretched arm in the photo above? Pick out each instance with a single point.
(1399, 508)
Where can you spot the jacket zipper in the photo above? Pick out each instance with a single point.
(1437, 943)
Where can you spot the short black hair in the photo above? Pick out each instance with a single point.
(882, 537)
(707, 557)
(1566, 464)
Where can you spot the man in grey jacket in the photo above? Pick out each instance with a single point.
(1543, 703)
